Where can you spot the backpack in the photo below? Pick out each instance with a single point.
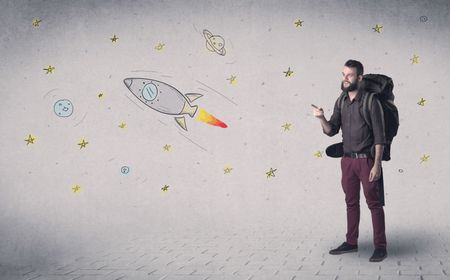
(380, 86)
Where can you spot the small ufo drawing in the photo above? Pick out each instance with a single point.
(214, 43)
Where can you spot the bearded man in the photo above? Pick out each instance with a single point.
(357, 164)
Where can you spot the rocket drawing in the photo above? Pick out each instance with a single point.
(168, 100)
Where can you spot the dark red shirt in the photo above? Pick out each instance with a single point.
(356, 133)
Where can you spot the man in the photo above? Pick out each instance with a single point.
(357, 164)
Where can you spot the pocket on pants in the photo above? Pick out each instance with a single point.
(370, 162)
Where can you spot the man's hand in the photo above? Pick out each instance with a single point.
(375, 173)
(317, 111)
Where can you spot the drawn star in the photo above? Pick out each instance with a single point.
(122, 125)
(288, 73)
(159, 47)
(232, 80)
(415, 59)
(421, 102)
(36, 22)
(424, 158)
(76, 188)
(227, 170)
(167, 147)
(83, 144)
(377, 28)
(49, 69)
(298, 23)
(318, 154)
(286, 126)
(114, 38)
(100, 95)
(30, 139)
(165, 188)
(271, 173)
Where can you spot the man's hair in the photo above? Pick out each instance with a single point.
(355, 64)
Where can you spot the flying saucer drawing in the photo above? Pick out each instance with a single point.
(214, 43)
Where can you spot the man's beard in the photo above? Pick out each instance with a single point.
(351, 87)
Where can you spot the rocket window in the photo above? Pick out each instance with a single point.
(149, 92)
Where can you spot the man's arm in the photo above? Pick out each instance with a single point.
(375, 172)
(325, 124)
(377, 118)
(332, 126)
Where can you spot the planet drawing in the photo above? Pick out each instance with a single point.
(214, 43)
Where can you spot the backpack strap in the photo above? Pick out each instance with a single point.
(366, 107)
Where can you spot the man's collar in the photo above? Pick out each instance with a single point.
(358, 95)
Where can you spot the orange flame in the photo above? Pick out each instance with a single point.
(204, 116)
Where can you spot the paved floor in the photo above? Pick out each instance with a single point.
(269, 254)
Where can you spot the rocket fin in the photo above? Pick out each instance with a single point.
(189, 109)
(181, 121)
(193, 96)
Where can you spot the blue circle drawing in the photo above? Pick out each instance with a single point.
(149, 92)
(125, 169)
(63, 108)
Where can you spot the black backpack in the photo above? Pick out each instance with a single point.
(380, 86)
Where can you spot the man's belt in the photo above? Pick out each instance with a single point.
(358, 155)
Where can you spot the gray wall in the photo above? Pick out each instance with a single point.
(42, 220)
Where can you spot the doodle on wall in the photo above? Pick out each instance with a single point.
(214, 43)
(168, 100)
(63, 108)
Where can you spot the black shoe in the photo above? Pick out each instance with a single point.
(344, 248)
(378, 255)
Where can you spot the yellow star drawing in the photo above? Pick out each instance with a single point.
(30, 139)
(122, 125)
(286, 126)
(298, 23)
(288, 73)
(83, 143)
(421, 102)
(227, 169)
(167, 147)
(415, 59)
(159, 47)
(424, 158)
(318, 154)
(377, 28)
(165, 188)
(100, 95)
(76, 188)
(49, 69)
(232, 80)
(114, 38)
(271, 173)
(36, 22)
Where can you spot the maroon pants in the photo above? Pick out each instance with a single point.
(355, 171)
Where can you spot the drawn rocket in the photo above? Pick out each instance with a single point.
(166, 99)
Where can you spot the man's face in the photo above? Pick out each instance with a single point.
(350, 80)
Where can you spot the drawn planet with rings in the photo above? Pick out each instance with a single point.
(214, 43)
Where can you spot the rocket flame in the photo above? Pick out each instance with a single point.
(204, 116)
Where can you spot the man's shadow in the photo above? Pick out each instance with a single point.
(406, 243)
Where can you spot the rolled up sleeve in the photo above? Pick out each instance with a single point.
(377, 119)
(335, 120)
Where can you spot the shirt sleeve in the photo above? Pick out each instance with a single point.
(335, 120)
(377, 119)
